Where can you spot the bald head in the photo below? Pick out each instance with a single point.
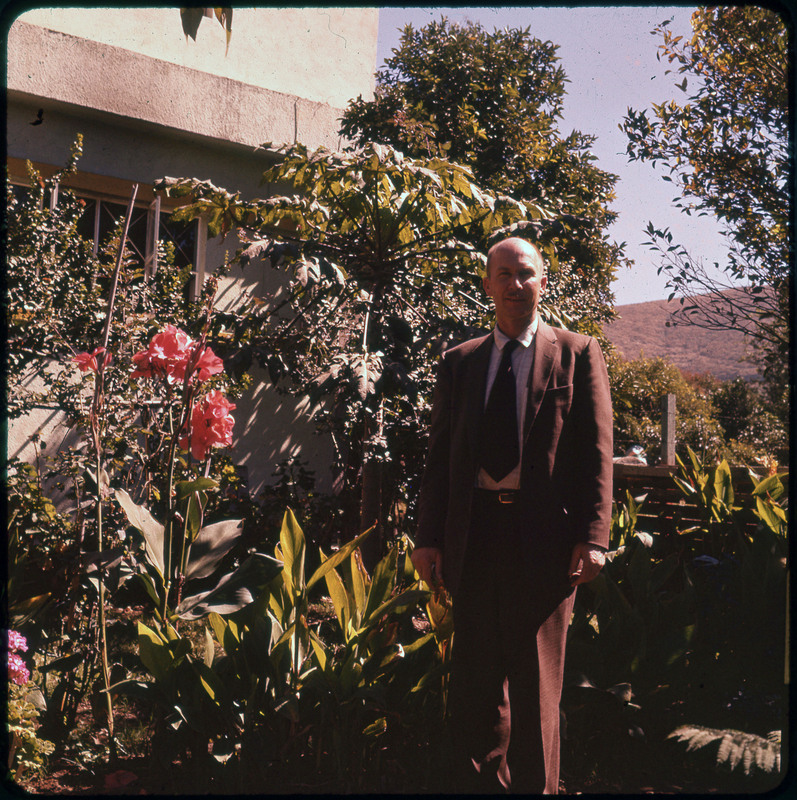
(514, 247)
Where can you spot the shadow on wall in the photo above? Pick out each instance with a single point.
(38, 437)
(270, 427)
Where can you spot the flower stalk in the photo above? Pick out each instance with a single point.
(102, 357)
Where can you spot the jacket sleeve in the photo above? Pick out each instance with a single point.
(592, 413)
(433, 496)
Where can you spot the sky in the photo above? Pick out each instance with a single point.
(609, 57)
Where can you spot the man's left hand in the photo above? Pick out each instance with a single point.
(585, 563)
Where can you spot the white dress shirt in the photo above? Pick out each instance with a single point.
(522, 359)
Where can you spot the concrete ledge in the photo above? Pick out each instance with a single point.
(88, 75)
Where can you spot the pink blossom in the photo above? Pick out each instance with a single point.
(168, 355)
(208, 364)
(211, 425)
(17, 642)
(89, 360)
(17, 671)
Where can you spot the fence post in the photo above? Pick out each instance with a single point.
(668, 429)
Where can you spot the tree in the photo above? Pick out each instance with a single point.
(380, 279)
(492, 102)
(726, 150)
(637, 388)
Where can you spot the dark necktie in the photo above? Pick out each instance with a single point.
(499, 438)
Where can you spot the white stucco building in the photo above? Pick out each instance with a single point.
(151, 103)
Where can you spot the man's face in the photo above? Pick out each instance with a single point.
(515, 281)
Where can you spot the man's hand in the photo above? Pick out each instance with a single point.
(585, 563)
(428, 563)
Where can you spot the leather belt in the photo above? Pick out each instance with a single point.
(502, 496)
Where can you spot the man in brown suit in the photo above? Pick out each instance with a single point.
(514, 513)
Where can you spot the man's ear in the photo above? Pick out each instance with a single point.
(543, 282)
(486, 285)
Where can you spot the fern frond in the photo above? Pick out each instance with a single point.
(735, 746)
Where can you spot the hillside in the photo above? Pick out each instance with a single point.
(641, 330)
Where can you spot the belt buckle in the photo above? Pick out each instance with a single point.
(506, 497)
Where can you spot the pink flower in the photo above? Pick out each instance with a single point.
(168, 355)
(17, 642)
(17, 671)
(208, 364)
(89, 360)
(211, 425)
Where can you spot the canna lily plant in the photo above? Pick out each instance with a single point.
(182, 556)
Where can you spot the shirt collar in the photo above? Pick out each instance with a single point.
(525, 338)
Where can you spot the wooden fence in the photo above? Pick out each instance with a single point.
(665, 504)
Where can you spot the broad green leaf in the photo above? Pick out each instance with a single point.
(723, 483)
(211, 545)
(233, 591)
(210, 649)
(772, 515)
(340, 598)
(142, 520)
(340, 556)
(154, 591)
(193, 515)
(293, 549)
(358, 588)
(153, 652)
(407, 598)
(184, 488)
(382, 583)
(210, 682)
(418, 643)
(320, 651)
(771, 485)
(219, 625)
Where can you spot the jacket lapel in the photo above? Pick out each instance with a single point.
(478, 363)
(545, 351)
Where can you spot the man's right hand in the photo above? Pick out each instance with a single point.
(428, 563)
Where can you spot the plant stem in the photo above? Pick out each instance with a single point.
(96, 431)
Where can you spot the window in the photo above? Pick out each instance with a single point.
(148, 225)
(101, 217)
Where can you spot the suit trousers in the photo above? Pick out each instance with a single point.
(511, 613)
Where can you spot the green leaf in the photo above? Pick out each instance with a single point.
(341, 555)
(293, 550)
(382, 584)
(185, 488)
(771, 486)
(340, 599)
(320, 651)
(210, 649)
(233, 591)
(407, 598)
(211, 545)
(723, 483)
(358, 587)
(142, 520)
(772, 515)
(154, 652)
(210, 682)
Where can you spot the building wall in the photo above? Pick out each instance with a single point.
(326, 55)
(150, 103)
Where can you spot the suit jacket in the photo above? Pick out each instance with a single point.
(566, 470)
